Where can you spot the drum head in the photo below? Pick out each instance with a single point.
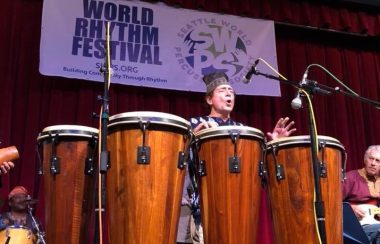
(299, 140)
(68, 130)
(17, 234)
(156, 118)
(224, 131)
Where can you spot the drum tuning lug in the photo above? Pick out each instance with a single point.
(262, 171)
(54, 167)
(181, 160)
(322, 170)
(143, 155)
(234, 164)
(143, 151)
(89, 166)
(202, 168)
(280, 173)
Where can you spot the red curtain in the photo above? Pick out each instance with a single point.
(30, 101)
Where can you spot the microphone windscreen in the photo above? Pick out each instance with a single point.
(296, 102)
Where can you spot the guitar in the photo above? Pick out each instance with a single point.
(370, 212)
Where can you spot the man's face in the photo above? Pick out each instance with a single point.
(222, 99)
(372, 163)
(18, 202)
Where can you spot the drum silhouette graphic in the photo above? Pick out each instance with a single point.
(230, 184)
(69, 175)
(291, 188)
(146, 176)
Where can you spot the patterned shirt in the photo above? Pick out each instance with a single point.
(197, 120)
(6, 220)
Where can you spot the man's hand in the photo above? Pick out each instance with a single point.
(5, 167)
(282, 129)
(360, 213)
(205, 125)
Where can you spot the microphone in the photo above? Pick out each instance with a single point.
(297, 101)
(29, 200)
(247, 78)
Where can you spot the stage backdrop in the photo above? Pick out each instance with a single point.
(31, 101)
(153, 45)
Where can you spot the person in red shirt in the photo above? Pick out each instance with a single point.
(361, 189)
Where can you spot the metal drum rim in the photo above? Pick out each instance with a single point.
(225, 130)
(304, 139)
(23, 227)
(158, 118)
(68, 130)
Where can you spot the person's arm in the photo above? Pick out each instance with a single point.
(359, 213)
(7, 154)
(282, 129)
(347, 186)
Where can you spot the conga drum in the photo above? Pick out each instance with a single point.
(17, 235)
(69, 175)
(291, 188)
(230, 184)
(146, 176)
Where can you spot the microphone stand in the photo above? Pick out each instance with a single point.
(312, 87)
(40, 234)
(104, 153)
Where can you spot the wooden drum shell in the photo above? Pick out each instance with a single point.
(230, 202)
(144, 199)
(292, 198)
(69, 195)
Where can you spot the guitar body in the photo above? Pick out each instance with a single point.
(371, 211)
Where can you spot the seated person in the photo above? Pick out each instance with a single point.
(18, 216)
(361, 189)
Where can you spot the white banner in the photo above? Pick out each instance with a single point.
(154, 45)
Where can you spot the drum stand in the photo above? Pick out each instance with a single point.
(312, 87)
(40, 234)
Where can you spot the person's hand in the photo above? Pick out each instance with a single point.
(282, 129)
(205, 125)
(5, 167)
(360, 213)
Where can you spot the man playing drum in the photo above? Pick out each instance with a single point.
(362, 189)
(220, 97)
(18, 218)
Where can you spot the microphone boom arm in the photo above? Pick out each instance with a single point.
(314, 87)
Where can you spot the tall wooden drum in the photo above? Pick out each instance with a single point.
(291, 188)
(69, 175)
(230, 185)
(146, 177)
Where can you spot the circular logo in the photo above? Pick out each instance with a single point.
(213, 45)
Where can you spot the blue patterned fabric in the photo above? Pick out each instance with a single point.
(197, 120)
